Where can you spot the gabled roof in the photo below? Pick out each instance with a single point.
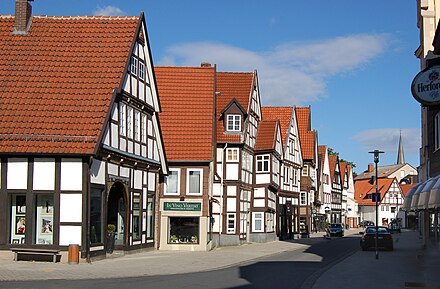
(281, 113)
(187, 117)
(322, 150)
(332, 162)
(304, 118)
(307, 137)
(382, 171)
(266, 135)
(58, 81)
(342, 166)
(363, 187)
(406, 187)
(232, 85)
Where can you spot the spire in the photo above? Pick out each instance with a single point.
(400, 154)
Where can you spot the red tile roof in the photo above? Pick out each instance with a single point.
(281, 113)
(57, 81)
(187, 101)
(266, 135)
(332, 161)
(306, 135)
(232, 85)
(364, 187)
(406, 187)
(342, 166)
(321, 151)
(303, 118)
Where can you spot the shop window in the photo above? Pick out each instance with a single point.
(150, 216)
(44, 222)
(257, 222)
(96, 215)
(172, 182)
(194, 181)
(136, 217)
(18, 218)
(183, 230)
(231, 223)
(437, 131)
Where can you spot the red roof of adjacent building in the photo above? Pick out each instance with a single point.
(187, 101)
(363, 188)
(322, 151)
(281, 113)
(406, 187)
(57, 81)
(332, 161)
(232, 85)
(306, 135)
(266, 136)
(342, 166)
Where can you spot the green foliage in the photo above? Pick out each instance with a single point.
(111, 228)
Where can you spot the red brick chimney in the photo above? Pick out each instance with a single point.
(370, 168)
(23, 14)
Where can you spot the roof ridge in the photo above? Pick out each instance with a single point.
(235, 72)
(85, 17)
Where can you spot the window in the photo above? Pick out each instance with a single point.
(122, 118)
(144, 129)
(303, 198)
(150, 217)
(96, 215)
(18, 219)
(137, 125)
(44, 222)
(183, 230)
(234, 122)
(295, 177)
(393, 210)
(134, 64)
(286, 174)
(305, 171)
(231, 223)
(194, 182)
(172, 182)
(130, 122)
(141, 70)
(263, 163)
(258, 222)
(437, 131)
(232, 155)
(136, 218)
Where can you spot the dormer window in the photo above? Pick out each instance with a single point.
(234, 123)
(134, 65)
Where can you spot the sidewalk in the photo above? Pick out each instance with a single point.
(408, 266)
(145, 263)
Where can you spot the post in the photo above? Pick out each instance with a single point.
(377, 197)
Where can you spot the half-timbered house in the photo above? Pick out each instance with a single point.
(324, 186)
(80, 141)
(288, 194)
(336, 184)
(188, 126)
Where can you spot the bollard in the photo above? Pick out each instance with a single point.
(73, 254)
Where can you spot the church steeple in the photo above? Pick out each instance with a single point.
(400, 154)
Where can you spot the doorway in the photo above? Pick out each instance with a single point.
(117, 213)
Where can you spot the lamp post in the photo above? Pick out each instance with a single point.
(376, 197)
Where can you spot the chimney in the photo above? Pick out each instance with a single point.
(23, 13)
(205, 64)
(370, 168)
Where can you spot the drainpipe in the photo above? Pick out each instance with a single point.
(221, 194)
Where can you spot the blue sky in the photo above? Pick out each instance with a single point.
(351, 60)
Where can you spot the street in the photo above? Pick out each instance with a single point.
(293, 269)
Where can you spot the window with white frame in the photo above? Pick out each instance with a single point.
(137, 125)
(141, 70)
(234, 122)
(172, 182)
(232, 154)
(130, 122)
(437, 131)
(295, 177)
(263, 163)
(134, 65)
(286, 174)
(230, 220)
(194, 181)
(122, 119)
(305, 170)
(144, 128)
(303, 198)
(258, 221)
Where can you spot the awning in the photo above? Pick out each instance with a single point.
(408, 198)
(434, 197)
(416, 196)
(422, 203)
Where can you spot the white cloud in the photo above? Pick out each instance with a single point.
(292, 73)
(387, 139)
(107, 11)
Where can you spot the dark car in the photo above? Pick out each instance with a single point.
(335, 230)
(384, 238)
(366, 224)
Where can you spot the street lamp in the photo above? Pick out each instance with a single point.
(376, 197)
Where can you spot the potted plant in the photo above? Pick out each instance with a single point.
(111, 238)
(173, 239)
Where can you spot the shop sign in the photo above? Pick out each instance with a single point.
(182, 206)
(426, 86)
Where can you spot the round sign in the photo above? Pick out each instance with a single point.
(426, 86)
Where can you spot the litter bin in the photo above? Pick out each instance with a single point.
(73, 254)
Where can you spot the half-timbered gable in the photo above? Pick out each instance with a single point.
(325, 184)
(188, 132)
(335, 177)
(65, 165)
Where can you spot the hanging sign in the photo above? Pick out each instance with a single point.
(426, 86)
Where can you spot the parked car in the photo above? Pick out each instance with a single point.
(334, 230)
(384, 238)
(366, 224)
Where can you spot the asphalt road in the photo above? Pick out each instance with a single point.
(292, 269)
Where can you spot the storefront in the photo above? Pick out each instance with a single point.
(183, 226)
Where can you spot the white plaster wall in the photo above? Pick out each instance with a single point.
(44, 174)
(126, 85)
(17, 173)
(70, 235)
(231, 205)
(137, 179)
(262, 179)
(71, 175)
(259, 202)
(259, 192)
(70, 207)
(113, 169)
(124, 172)
(232, 171)
(107, 137)
(151, 181)
(122, 144)
(231, 190)
(216, 190)
(114, 140)
(97, 172)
